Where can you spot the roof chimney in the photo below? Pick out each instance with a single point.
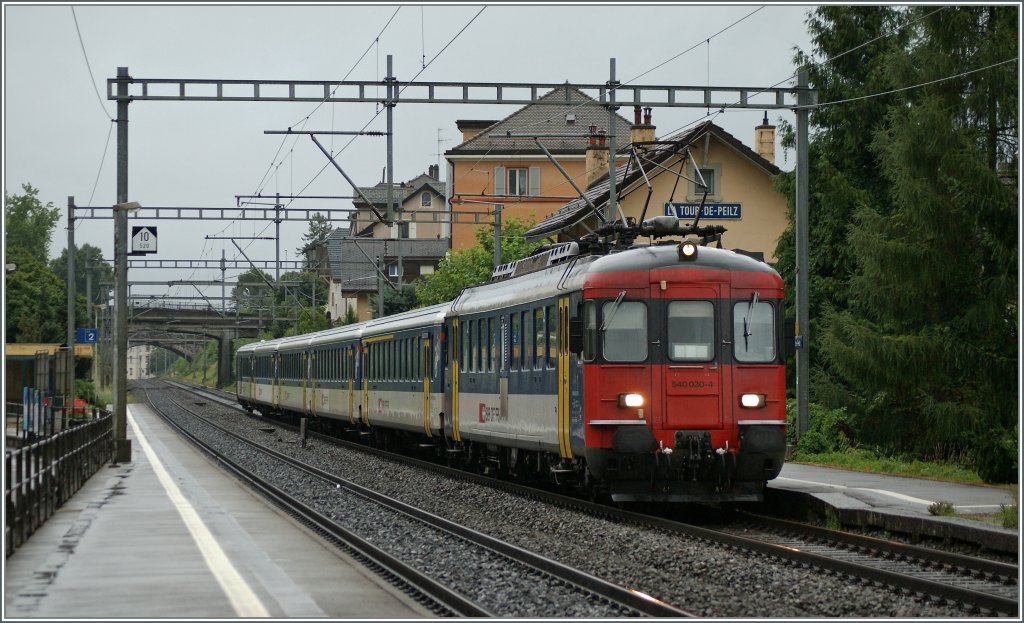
(641, 132)
(764, 140)
(434, 171)
(597, 157)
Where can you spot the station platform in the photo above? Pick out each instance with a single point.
(172, 535)
(895, 503)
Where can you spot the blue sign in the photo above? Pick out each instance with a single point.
(87, 336)
(720, 211)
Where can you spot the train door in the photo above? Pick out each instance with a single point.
(455, 340)
(275, 386)
(424, 366)
(692, 370)
(564, 446)
(351, 376)
(252, 377)
(309, 393)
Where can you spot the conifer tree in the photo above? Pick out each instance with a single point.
(925, 353)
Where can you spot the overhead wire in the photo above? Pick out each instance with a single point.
(792, 76)
(106, 115)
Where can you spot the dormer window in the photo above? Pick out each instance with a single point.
(425, 199)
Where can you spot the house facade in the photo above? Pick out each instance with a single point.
(503, 163)
(369, 252)
(739, 180)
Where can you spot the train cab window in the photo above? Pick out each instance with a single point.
(753, 331)
(589, 330)
(552, 321)
(625, 331)
(691, 331)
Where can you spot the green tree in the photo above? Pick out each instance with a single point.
(396, 300)
(843, 172)
(36, 298)
(36, 301)
(473, 266)
(925, 354)
(319, 229)
(28, 224)
(253, 292)
(102, 272)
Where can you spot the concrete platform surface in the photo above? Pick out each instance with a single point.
(171, 535)
(897, 503)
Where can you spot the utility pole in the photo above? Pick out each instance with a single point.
(802, 275)
(122, 445)
(69, 387)
(613, 201)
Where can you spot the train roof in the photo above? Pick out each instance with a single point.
(412, 319)
(666, 255)
(571, 275)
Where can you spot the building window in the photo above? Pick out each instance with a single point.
(712, 174)
(425, 199)
(393, 270)
(709, 180)
(517, 181)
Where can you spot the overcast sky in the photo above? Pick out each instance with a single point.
(204, 154)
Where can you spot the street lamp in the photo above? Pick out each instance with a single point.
(122, 445)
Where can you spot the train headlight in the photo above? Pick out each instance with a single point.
(632, 401)
(752, 401)
(688, 250)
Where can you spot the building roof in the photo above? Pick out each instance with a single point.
(400, 191)
(579, 210)
(352, 259)
(548, 115)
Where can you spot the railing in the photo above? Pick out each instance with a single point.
(41, 477)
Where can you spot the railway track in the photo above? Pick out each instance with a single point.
(449, 541)
(981, 586)
(983, 583)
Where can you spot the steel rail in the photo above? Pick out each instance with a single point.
(943, 590)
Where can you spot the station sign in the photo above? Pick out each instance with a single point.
(716, 211)
(143, 240)
(87, 336)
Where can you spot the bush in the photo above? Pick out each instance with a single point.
(995, 456)
(827, 430)
(85, 390)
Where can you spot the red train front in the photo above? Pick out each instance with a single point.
(683, 386)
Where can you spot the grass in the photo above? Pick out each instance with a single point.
(866, 461)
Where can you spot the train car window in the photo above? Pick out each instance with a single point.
(625, 335)
(540, 342)
(753, 331)
(486, 358)
(464, 346)
(552, 321)
(493, 360)
(528, 341)
(691, 331)
(517, 339)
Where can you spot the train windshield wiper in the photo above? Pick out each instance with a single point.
(611, 312)
(747, 320)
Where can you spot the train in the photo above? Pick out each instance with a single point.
(631, 372)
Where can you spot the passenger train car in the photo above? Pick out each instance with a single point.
(647, 373)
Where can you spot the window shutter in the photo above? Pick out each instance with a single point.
(534, 181)
(499, 180)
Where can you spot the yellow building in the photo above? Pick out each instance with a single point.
(660, 178)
